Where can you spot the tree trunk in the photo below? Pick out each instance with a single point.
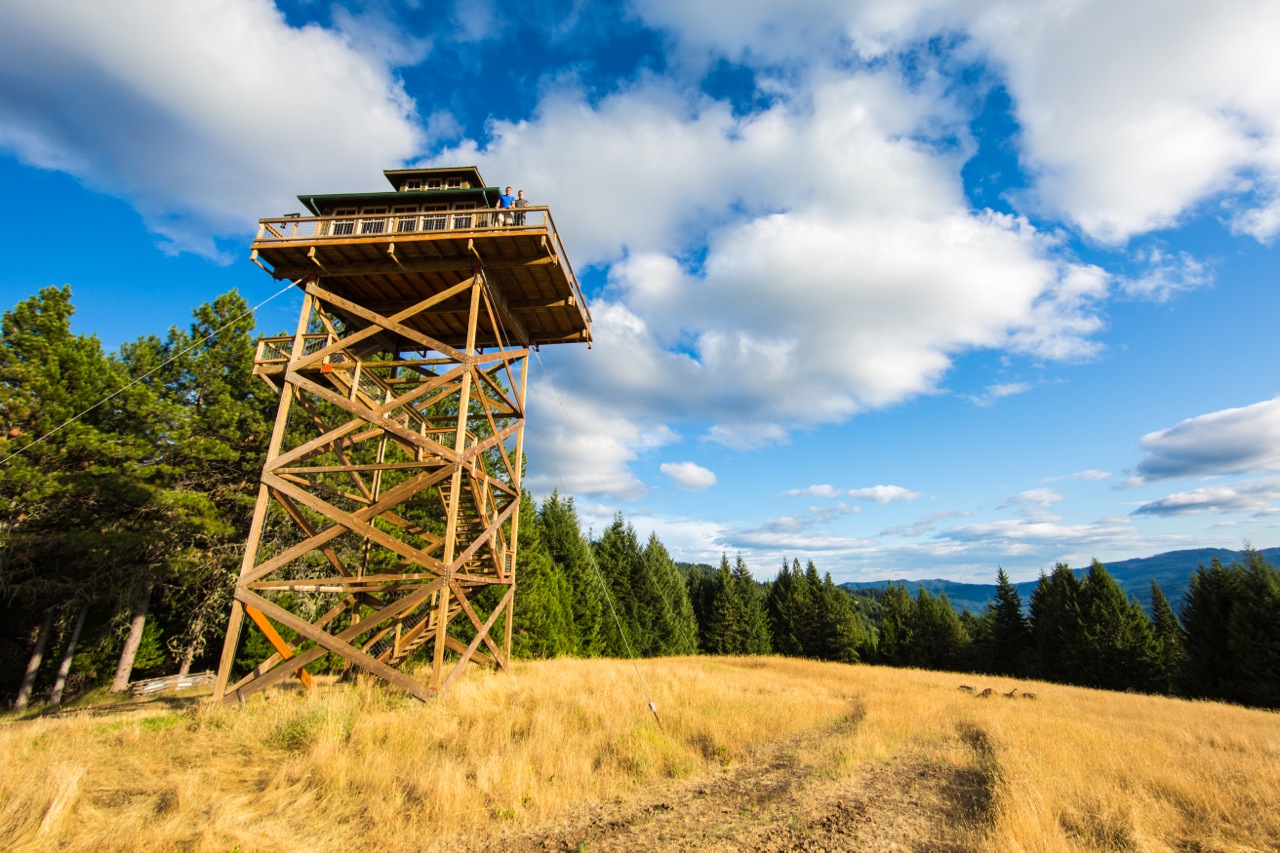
(136, 625)
(64, 668)
(33, 666)
(187, 655)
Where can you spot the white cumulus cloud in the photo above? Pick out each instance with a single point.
(884, 494)
(205, 116)
(1231, 441)
(689, 475)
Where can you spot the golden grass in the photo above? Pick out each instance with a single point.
(360, 767)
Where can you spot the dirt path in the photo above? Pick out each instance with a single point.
(778, 802)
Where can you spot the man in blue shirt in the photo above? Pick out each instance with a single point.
(505, 201)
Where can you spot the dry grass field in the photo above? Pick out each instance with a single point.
(753, 753)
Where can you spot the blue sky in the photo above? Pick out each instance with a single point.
(911, 288)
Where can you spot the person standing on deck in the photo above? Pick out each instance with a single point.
(521, 201)
(505, 201)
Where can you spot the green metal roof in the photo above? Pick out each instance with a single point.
(488, 194)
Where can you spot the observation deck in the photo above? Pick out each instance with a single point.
(387, 251)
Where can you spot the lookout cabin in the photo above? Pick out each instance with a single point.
(386, 251)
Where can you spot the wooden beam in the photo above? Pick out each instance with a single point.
(273, 637)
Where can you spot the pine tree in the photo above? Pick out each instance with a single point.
(1254, 633)
(700, 584)
(82, 504)
(789, 611)
(937, 640)
(1057, 626)
(810, 593)
(674, 628)
(562, 537)
(1207, 609)
(755, 622)
(842, 633)
(1170, 642)
(213, 420)
(896, 623)
(543, 625)
(1005, 633)
(617, 554)
(1117, 640)
(726, 633)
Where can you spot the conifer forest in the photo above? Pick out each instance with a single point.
(122, 531)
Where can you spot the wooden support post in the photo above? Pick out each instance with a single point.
(236, 621)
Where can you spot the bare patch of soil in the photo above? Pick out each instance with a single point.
(778, 802)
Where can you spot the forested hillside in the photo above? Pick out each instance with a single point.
(1172, 570)
(121, 535)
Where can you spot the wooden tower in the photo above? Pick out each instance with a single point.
(390, 498)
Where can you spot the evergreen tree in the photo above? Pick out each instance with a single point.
(811, 592)
(755, 622)
(789, 610)
(842, 633)
(1118, 644)
(82, 506)
(1005, 633)
(1207, 610)
(937, 640)
(543, 625)
(897, 619)
(726, 634)
(1254, 633)
(212, 419)
(1170, 643)
(701, 583)
(1057, 626)
(562, 537)
(674, 628)
(617, 554)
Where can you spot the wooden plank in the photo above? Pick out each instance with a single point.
(390, 499)
(307, 528)
(338, 646)
(459, 263)
(458, 562)
(380, 323)
(475, 643)
(509, 320)
(347, 583)
(273, 637)
(481, 629)
(385, 322)
(355, 525)
(267, 665)
(374, 417)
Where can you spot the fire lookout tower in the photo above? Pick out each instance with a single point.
(390, 498)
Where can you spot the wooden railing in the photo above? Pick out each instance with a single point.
(375, 225)
(319, 228)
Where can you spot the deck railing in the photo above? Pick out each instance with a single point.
(378, 224)
(283, 229)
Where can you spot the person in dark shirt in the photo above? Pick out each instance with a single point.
(521, 201)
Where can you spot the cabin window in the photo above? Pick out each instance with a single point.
(406, 218)
(463, 220)
(375, 221)
(344, 226)
(432, 221)
(434, 184)
(412, 184)
(453, 183)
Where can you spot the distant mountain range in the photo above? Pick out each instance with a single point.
(1172, 570)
